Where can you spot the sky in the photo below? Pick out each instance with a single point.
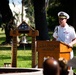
(18, 9)
(15, 1)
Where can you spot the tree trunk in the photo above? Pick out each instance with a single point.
(6, 17)
(40, 19)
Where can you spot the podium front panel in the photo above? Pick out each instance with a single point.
(53, 49)
(44, 55)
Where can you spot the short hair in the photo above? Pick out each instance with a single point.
(50, 67)
(63, 66)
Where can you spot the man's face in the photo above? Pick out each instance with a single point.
(62, 21)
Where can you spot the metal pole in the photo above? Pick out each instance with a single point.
(22, 12)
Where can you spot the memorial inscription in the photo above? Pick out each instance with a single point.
(46, 45)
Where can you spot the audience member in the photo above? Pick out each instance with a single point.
(50, 67)
(63, 66)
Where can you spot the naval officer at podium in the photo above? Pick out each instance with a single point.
(64, 32)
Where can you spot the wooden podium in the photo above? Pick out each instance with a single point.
(53, 49)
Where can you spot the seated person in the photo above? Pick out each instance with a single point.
(63, 66)
(50, 67)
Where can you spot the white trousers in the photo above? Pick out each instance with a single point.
(71, 54)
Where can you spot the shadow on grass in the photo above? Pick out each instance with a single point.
(2, 38)
(5, 48)
(20, 58)
(4, 57)
(18, 48)
(24, 47)
(2, 33)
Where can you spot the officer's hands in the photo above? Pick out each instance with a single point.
(70, 45)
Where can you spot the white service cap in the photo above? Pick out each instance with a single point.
(62, 14)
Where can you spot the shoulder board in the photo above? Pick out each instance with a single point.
(56, 29)
(71, 26)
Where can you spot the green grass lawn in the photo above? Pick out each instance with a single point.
(23, 56)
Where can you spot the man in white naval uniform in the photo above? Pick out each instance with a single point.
(64, 32)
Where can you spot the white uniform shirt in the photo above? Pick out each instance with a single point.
(65, 34)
